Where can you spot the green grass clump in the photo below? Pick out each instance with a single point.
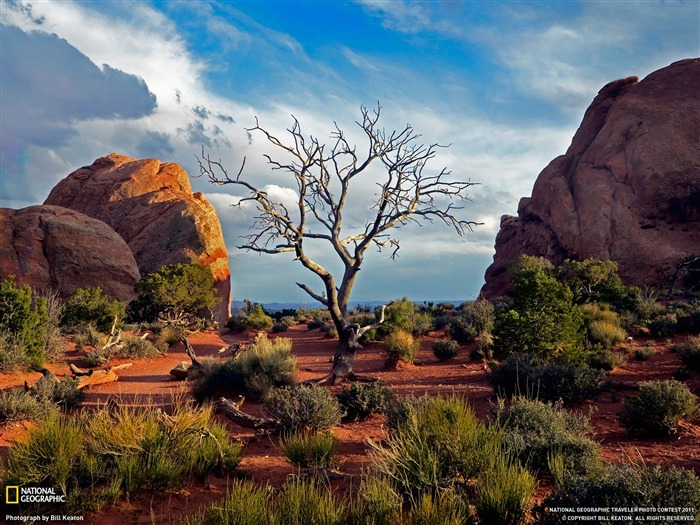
(533, 430)
(361, 400)
(307, 502)
(12, 354)
(658, 408)
(304, 408)
(444, 350)
(443, 508)
(401, 346)
(264, 365)
(136, 347)
(644, 353)
(245, 504)
(378, 503)
(309, 449)
(504, 493)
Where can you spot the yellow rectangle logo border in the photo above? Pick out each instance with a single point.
(7, 495)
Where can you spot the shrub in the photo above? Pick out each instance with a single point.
(643, 354)
(16, 405)
(643, 304)
(304, 408)
(401, 346)
(309, 449)
(592, 280)
(606, 333)
(445, 349)
(361, 400)
(177, 294)
(377, 503)
(664, 326)
(604, 359)
(535, 430)
(405, 315)
(12, 354)
(88, 335)
(527, 375)
(307, 502)
(23, 320)
(474, 319)
(503, 494)
(264, 365)
(245, 504)
(55, 343)
(658, 408)
(624, 485)
(253, 318)
(437, 444)
(168, 336)
(92, 306)
(444, 508)
(63, 393)
(689, 352)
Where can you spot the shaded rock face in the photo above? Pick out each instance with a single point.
(48, 247)
(627, 189)
(151, 205)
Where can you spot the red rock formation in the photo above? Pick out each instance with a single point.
(151, 205)
(53, 247)
(627, 189)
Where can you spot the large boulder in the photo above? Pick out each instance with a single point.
(49, 247)
(627, 189)
(151, 205)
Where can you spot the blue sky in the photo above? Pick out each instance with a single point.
(504, 83)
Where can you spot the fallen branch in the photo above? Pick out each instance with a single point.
(232, 411)
(187, 370)
(100, 377)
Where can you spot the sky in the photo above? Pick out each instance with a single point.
(503, 83)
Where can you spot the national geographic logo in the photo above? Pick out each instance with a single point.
(14, 495)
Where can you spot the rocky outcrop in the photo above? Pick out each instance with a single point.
(627, 189)
(151, 205)
(48, 247)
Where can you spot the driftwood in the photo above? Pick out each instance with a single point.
(98, 377)
(187, 370)
(232, 411)
(47, 376)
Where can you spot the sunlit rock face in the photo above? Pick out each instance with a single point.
(54, 248)
(627, 189)
(151, 205)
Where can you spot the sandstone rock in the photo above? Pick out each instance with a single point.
(53, 247)
(627, 189)
(151, 205)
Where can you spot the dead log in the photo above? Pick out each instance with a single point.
(100, 377)
(187, 370)
(79, 371)
(232, 411)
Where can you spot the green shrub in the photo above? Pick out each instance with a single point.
(377, 503)
(92, 306)
(63, 393)
(55, 348)
(530, 376)
(405, 315)
(445, 349)
(168, 336)
(593, 281)
(604, 359)
(444, 508)
(658, 408)
(474, 319)
(88, 335)
(606, 333)
(534, 430)
(309, 449)
(12, 354)
(304, 408)
(401, 346)
(245, 504)
(16, 405)
(23, 319)
(361, 400)
(643, 354)
(664, 326)
(689, 352)
(643, 305)
(438, 443)
(177, 294)
(254, 317)
(264, 365)
(307, 502)
(503, 494)
(136, 347)
(625, 485)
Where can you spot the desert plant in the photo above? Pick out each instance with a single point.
(309, 449)
(664, 326)
(689, 351)
(474, 319)
(534, 430)
(304, 408)
(12, 354)
(245, 504)
(253, 316)
(377, 503)
(23, 319)
(624, 485)
(531, 376)
(361, 400)
(307, 502)
(168, 336)
(503, 494)
(17, 404)
(136, 347)
(444, 350)
(602, 326)
(63, 393)
(401, 346)
(88, 335)
(264, 365)
(658, 408)
(55, 342)
(92, 306)
(644, 353)
(443, 508)
(602, 358)
(591, 280)
(177, 294)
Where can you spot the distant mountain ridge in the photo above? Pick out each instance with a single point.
(278, 307)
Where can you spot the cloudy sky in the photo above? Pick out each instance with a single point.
(504, 83)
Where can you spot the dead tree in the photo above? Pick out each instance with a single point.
(323, 176)
(185, 371)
